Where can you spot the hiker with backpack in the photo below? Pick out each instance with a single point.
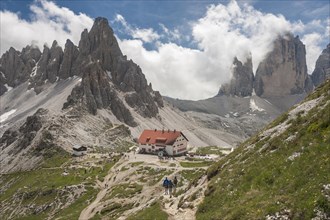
(165, 185)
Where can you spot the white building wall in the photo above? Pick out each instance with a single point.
(150, 148)
(169, 150)
(180, 145)
(79, 153)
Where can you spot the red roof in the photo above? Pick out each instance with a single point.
(159, 137)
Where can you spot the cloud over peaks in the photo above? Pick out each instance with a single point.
(225, 31)
(48, 22)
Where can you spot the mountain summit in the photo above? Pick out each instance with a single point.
(322, 67)
(241, 83)
(284, 70)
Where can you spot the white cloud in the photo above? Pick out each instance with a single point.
(172, 69)
(315, 35)
(170, 35)
(224, 32)
(48, 22)
(313, 50)
(147, 35)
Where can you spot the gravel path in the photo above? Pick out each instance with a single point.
(149, 194)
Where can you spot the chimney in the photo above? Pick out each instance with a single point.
(174, 131)
(155, 130)
(163, 131)
(168, 130)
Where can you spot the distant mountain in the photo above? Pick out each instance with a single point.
(284, 70)
(280, 173)
(281, 80)
(241, 83)
(322, 67)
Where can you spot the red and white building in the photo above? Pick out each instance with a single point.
(174, 143)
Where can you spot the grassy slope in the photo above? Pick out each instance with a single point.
(150, 213)
(251, 183)
(42, 186)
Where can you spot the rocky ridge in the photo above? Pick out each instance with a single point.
(282, 72)
(241, 83)
(322, 67)
(105, 71)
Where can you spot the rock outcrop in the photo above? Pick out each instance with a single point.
(70, 55)
(95, 92)
(322, 67)
(241, 83)
(47, 68)
(16, 67)
(284, 70)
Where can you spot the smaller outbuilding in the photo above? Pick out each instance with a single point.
(79, 150)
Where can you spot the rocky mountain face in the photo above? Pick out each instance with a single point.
(105, 73)
(16, 67)
(241, 83)
(284, 70)
(322, 67)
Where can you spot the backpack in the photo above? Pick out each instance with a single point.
(165, 183)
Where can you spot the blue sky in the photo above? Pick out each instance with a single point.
(175, 41)
(175, 13)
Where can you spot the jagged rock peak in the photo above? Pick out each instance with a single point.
(70, 55)
(284, 70)
(241, 83)
(95, 92)
(15, 66)
(55, 44)
(101, 21)
(322, 67)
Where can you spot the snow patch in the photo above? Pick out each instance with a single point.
(254, 92)
(254, 107)
(109, 74)
(6, 115)
(268, 102)
(227, 126)
(34, 70)
(8, 87)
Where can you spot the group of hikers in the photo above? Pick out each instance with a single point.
(169, 185)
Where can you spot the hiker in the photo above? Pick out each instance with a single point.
(170, 186)
(175, 183)
(165, 185)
